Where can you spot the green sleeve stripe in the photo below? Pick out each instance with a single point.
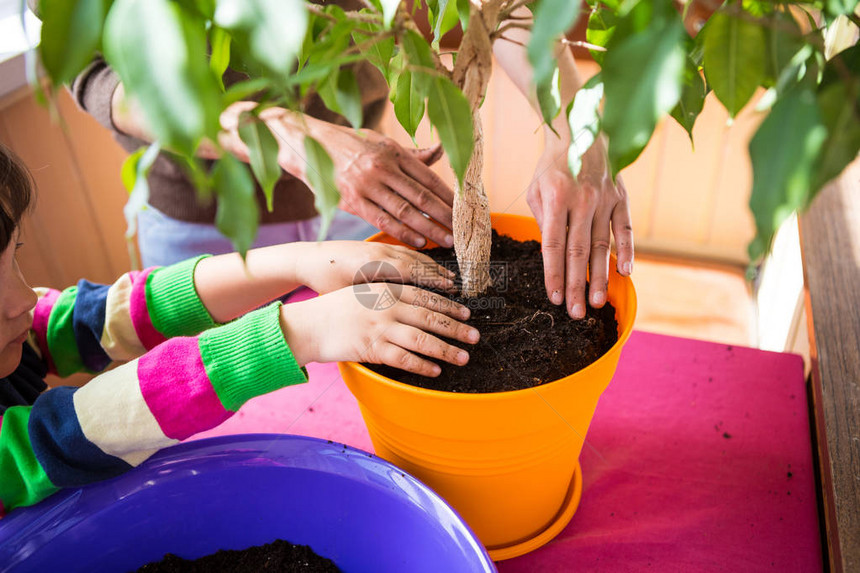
(22, 479)
(172, 301)
(249, 357)
(61, 335)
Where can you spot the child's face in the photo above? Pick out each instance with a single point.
(17, 300)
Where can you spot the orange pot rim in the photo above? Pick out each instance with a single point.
(508, 394)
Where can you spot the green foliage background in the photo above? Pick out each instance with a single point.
(171, 54)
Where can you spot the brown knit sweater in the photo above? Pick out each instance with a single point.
(171, 191)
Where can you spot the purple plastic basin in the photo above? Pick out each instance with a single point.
(234, 492)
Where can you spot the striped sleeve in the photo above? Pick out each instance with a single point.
(186, 385)
(89, 326)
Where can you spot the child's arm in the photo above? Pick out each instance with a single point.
(90, 326)
(186, 385)
(229, 287)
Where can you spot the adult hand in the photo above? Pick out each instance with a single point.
(384, 183)
(389, 186)
(342, 326)
(576, 217)
(327, 266)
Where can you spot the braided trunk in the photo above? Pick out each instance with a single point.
(472, 228)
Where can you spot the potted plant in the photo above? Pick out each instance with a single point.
(651, 67)
(507, 461)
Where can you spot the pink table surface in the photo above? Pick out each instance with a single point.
(698, 459)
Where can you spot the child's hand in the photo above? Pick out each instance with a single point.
(343, 326)
(331, 265)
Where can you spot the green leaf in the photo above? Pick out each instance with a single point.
(583, 116)
(549, 99)
(443, 16)
(463, 13)
(838, 7)
(419, 57)
(601, 26)
(349, 97)
(71, 34)
(159, 52)
(237, 216)
(263, 154)
(389, 9)
(642, 74)
(380, 52)
(734, 58)
(134, 171)
(783, 153)
(844, 66)
(408, 103)
(203, 8)
(245, 90)
(320, 174)
(552, 18)
(450, 114)
(839, 103)
(275, 29)
(219, 56)
(692, 98)
(783, 38)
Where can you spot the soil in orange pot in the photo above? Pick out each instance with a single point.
(526, 340)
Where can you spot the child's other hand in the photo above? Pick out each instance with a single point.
(331, 265)
(381, 324)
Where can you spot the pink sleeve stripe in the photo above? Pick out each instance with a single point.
(41, 315)
(177, 389)
(140, 319)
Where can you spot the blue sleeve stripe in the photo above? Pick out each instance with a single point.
(68, 458)
(89, 322)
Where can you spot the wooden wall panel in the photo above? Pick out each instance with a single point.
(99, 159)
(64, 221)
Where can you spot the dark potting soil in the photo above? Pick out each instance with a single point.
(279, 556)
(526, 340)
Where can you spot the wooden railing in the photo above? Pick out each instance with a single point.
(830, 239)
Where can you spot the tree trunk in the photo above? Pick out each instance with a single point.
(472, 228)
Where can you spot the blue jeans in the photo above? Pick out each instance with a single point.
(163, 240)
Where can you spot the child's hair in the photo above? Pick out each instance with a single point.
(16, 191)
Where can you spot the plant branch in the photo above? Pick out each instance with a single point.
(578, 44)
(509, 25)
(506, 12)
(362, 47)
(511, 40)
(351, 15)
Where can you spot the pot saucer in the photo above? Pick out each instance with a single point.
(562, 518)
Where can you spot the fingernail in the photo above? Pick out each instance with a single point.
(473, 335)
(465, 312)
(598, 298)
(556, 297)
(462, 357)
(627, 268)
(449, 241)
(419, 242)
(577, 311)
(436, 370)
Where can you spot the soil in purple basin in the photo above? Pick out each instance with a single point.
(526, 340)
(279, 556)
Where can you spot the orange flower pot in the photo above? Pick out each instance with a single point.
(506, 461)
